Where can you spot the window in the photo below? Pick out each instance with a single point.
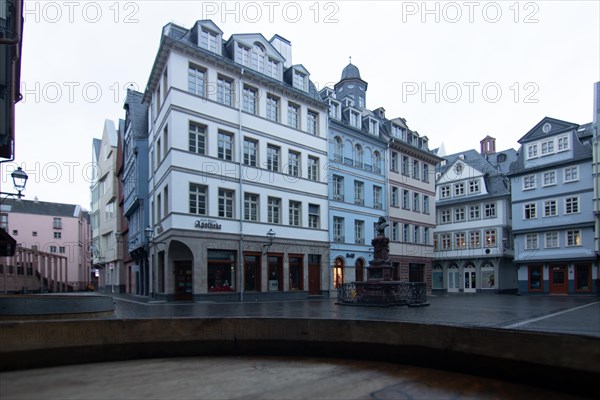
(224, 90)
(405, 199)
(334, 110)
(338, 229)
(294, 115)
(377, 198)
(34, 233)
(474, 239)
(551, 239)
(196, 80)
(157, 153)
(425, 177)
(425, 235)
(376, 162)
(446, 241)
(549, 178)
(359, 232)
(197, 138)
(250, 152)
(359, 193)
(299, 80)
(574, 237)
(293, 163)
(394, 197)
(459, 189)
(225, 145)
(395, 232)
(562, 143)
(272, 108)
(416, 202)
(490, 210)
(572, 205)
(57, 223)
(258, 57)
(338, 149)
(532, 151)
(208, 40)
(405, 232)
(294, 213)
(571, 174)
(417, 234)
(394, 162)
(474, 212)
(358, 156)
(338, 188)
(550, 209)
(444, 191)
(459, 214)
(529, 211)
(296, 275)
(490, 238)
(531, 241)
(57, 235)
(273, 68)
(425, 204)
(249, 95)
(314, 216)
(547, 147)
(243, 55)
(313, 168)
(273, 158)
(225, 203)
(415, 169)
(583, 277)
(166, 200)
(474, 186)
(62, 249)
(109, 211)
(405, 165)
(529, 182)
(460, 241)
(354, 118)
(445, 217)
(250, 207)
(312, 119)
(52, 249)
(274, 210)
(536, 282)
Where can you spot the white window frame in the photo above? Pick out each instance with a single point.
(529, 182)
(575, 169)
(547, 243)
(549, 178)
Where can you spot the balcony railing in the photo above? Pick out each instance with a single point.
(339, 239)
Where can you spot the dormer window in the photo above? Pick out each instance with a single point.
(299, 80)
(258, 57)
(348, 103)
(208, 40)
(371, 126)
(273, 68)
(354, 119)
(334, 109)
(243, 55)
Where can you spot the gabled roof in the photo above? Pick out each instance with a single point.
(96, 146)
(547, 127)
(250, 38)
(138, 114)
(490, 164)
(41, 208)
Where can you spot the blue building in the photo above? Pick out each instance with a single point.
(357, 189)
(553, 222)
(135, 189)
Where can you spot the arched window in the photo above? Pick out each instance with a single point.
(360, 270)
(358, 156)
(338, 273)
(376, 162)
(258, 57)
(338, 148)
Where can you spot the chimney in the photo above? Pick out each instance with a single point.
(488, 145)
(284, 47)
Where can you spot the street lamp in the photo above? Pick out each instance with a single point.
(149, 233)
(19, 178)
(271, 237)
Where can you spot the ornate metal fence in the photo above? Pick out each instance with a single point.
(384, 293)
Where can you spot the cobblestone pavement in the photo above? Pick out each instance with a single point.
(561, 314)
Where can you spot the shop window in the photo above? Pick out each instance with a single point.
(536, 283)
(416, 272)
(275, 271)
(252, 270)
(221, 271)
(583, 275)
(296, 273)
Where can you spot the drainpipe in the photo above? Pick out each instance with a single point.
(241, 191)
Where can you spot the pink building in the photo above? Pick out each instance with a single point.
(55, 228)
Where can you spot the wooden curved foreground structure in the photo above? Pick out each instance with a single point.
(558, 362)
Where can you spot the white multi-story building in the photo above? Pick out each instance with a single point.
(104, 219)
(237, 183)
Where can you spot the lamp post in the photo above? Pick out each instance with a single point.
(19, 178)
(270, 236)
(149, 233)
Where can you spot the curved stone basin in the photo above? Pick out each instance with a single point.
(51, 306)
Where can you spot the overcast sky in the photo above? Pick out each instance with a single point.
(456, 71)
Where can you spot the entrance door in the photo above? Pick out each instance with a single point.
(183, 280)
(558, 279)
(470, 280)
(314, 279)
(453, 279)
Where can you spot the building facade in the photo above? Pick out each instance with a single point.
(473, 238)
(411, 191)
(106, 259)
(55, 229)
(553, 224)
(135, 193)
(237, 185)
(357, 183)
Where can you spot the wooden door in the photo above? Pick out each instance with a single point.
(314, 279)
(558, 279)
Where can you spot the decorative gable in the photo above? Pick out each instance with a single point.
(547, 127)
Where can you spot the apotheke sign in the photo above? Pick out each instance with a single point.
(207, 224)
